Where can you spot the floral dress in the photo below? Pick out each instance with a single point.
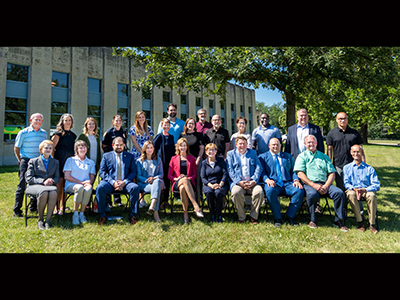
(140, 139)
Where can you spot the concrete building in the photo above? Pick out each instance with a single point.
(90, 81)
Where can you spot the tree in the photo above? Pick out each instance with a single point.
(295, 71)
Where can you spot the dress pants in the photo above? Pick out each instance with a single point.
(334, 193)
(371, 201)
(105, 188)
(289, 190)
(257, 195)
(215, 199)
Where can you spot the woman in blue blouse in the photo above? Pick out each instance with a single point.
(215, 179)
(150, 176)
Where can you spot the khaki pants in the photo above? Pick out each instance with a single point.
(257, 195)
(371, 202)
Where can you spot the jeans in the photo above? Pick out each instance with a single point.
(336, 194)
(289, 190)
(154, 189)
(104, 188)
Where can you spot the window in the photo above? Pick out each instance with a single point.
(199, 101)
(123, 103)
(146, 104)
(16, 102)
(183, 99)
(166, 96)
(59, 97)
(94, 100)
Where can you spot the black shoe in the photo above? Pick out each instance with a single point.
(17, 214)
(213, 219)
(292, 222)
(277, 223)
(219, 219)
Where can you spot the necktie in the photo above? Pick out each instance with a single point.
(119, 167)
(278, 171)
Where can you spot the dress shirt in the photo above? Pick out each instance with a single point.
(245, 166)
(281, 165)
(316, 166)
(302, 132)
(122, 165)
(362, 176)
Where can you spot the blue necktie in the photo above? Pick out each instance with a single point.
(278, 171)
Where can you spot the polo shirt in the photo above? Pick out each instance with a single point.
(219, 138)
(175, 130)
(316, 166)
(202, 128)
(28, 140)
(262, 136)
(342, 141)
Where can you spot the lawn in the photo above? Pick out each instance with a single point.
(201, 236)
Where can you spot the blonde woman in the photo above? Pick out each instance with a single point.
(183, 172)
(91, 137)
(140, 133)
(150, 176)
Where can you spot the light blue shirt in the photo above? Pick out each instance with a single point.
(362, 176)
(262, 136)
(175, 130)
(80, 170)
(28, 140)
(302, 132)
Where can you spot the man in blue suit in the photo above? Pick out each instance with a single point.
(297, 133)
(244, 170)
(117, 171)
(281, 181)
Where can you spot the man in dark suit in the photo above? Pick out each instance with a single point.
(294, 145)
(117, 171)
(280, 180)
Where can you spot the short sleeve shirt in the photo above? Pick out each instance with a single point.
(219, 138)
(316, 166)
(29, 140)
(262, 136)
(80, 170)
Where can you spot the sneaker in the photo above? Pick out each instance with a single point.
(47, 225)
(143, 204)
(312, 225)
(75, 218)
(82, 218)
(40, 225)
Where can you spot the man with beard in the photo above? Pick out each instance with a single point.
(117, 171)
(202, 125)
(262, 134)
(177, 125)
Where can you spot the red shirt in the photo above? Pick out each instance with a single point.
(203, 128)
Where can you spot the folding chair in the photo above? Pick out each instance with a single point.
(32, 198)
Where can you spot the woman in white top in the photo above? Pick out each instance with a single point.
(79, 172)
(91, 137)
(241, 124)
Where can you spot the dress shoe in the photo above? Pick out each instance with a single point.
(102, 221)
(361, 226)
(339, 224)
(277, 223)
(133, 220)
(373, 229)
(253, 221)
(312, 225)
(292, 222)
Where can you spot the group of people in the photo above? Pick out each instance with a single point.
(189, 158)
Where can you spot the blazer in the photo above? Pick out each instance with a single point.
(142, 172)
(214, 175)
(291, 142)
(268, 165)
(37, 173)
(175, 169)
(108, 167)
(235, 167)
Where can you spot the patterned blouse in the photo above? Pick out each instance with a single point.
(141, 139)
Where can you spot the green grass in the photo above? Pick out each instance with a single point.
(202, 236)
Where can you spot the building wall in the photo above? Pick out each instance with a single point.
(97, 62)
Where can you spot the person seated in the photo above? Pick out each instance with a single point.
(361, 182)
(79, 174)
(317, 172)
(150, 176)
(215, 179)
(182, 172)
(117, 171)
(244, 171)
(42, 175)
(281, 181)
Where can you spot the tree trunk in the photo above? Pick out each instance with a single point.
(364, 133)
(290, 109)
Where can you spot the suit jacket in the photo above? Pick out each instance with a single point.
(268, 165)
(142, 168)
(175, 169)
(108, 167)
(234, 166)
(291, 143)
(37, 173)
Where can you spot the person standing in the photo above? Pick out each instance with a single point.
(115, 131)
(64, 140)
(177, 125)
(218, 136)
(91, 137)
(202, 125)
(241, 124)
(339, 141)
(26, 147)
(297, 132)
(262, 134)
(140, 133)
